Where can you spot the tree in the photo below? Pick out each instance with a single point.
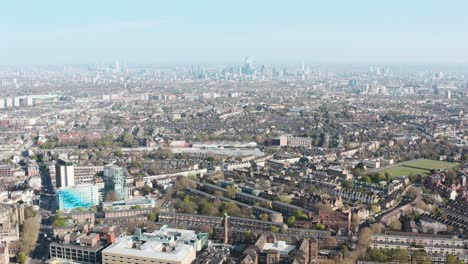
(399, 255)
(366, 179)
(231, 191)
(207, 208)
(111, 196)
(388, 175)
(380, 177)
(248, 236)
(233, 209)
(146, 190)
(421, 257)
(29, 212)
(299, 215)
(395, 225)
(118, 153)
(375, 209)
(344, 250)
(30, 234)
(93, 208)
(58, 221)
(22, 257)
(285, 199)
(355, 220)
(347, 184)
(127, 140)
(377, 255)
(451, 259)
(413, 177)
(319, 226)
(153, 169)
(152, 217)
(291, 221)
(376, 228)
(264, 217)
(274, 229)
(413, 192)
(364, 237)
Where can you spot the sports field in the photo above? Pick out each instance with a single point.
(431, 164)
(419, 167)
(406, 171)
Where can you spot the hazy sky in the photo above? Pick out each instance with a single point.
(85, 31)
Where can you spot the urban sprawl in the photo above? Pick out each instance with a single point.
(249, 163)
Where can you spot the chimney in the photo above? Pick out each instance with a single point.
(226, 230)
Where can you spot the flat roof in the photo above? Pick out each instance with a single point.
(96, 248)
(149, 249)
(280, 246)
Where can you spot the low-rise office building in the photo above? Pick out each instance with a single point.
(82, 249)
(166, 245)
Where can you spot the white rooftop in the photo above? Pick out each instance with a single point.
(165, 244)
(150, 249)
(281, 246)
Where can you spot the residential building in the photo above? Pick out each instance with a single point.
(115, 181)
(84, 196)
(432, 244)
(6, 171)
(65, 173)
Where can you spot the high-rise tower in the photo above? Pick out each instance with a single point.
(115, 181)
(65, 173)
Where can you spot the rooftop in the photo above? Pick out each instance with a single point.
(280, 246)
(165, 244)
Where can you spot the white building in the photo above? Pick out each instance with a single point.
(166, 245)
(65, 173)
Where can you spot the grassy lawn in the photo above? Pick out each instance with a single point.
(405, 171)
(421, 167)
(431, 164)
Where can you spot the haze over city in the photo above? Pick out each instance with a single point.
(58, 32)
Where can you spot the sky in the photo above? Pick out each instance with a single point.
(202, 31)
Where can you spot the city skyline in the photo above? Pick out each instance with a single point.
(52, 32)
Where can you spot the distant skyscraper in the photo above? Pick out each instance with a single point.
(117, 66)
(248, 66)
(65, 173)
(249, 62)
(114, 181)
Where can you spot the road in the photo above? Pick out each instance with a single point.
(48, 201)
(47, 206)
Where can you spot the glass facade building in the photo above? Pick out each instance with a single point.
(115, 181)
(73, 197)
